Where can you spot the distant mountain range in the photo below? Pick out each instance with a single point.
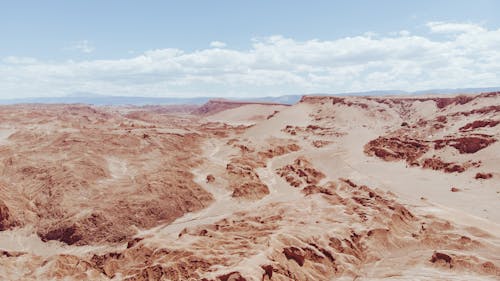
(124, 100)
(90, 98)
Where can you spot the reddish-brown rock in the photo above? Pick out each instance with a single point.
(250, 190)
(300, 172)
(268, 271)
(210, 178)
(483, 176)
(437, 256)
(396, 148)
(479, 124)
(294, 253)
(469, 144)
(5, 218)
(438, 164)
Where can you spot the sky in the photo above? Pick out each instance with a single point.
(245, 48)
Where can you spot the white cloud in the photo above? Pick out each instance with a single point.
(83, 46)
(217, 44)
(404, 33)
(448, 27)
(19, 60)
(275, 65)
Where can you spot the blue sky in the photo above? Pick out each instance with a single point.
(245, 48)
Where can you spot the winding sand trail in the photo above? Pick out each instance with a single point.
(224, 205)
(25, 240)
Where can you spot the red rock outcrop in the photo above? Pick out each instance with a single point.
(482, 110)
(441, 102)
(300, 172)
(479, 124)
(483, 176)
(250, 190)
(268, 272)
(210, 178)
(293, 253)
(438, 164)
(6, 220)
(245, 180)
(395, 148)
(437, 256)
(311, 130)
(320, 143)
(278, 151)
(468, 144)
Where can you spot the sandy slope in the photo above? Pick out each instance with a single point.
(246, 114)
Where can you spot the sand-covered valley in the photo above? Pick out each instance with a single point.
(330, 188)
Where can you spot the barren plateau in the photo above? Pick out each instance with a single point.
(330, 188)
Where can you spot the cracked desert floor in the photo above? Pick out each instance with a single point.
(331, 188)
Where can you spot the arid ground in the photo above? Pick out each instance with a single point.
(331, 188)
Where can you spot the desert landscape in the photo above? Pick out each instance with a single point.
(330, 188)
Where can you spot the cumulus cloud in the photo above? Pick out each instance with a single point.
(217, 44)
(83, 46)
(19, 60)
(276, 65)
(449, 27)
